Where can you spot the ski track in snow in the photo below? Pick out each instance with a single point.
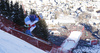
(12, 44)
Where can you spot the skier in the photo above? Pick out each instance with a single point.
(30, 22)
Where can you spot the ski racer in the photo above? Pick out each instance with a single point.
(30, 22)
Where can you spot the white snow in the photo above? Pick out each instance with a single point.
(62, 19)
(94, 49)
(12, 44)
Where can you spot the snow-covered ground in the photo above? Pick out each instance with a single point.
(12, 44)
(50, 8)
(93, 49)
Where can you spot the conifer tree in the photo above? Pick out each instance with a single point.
(2, 6)
(26, 14)
(31, 12)
(11, 13)
(21, 15)
(11, 8)
(15, 12)
(41, 30)
(6, 8)
(16, 8)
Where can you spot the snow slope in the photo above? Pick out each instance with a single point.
(93, 49)
(12, 44)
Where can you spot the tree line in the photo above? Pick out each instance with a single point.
(13, 12)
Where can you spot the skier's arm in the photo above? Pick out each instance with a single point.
(36, 20)
(27, 20)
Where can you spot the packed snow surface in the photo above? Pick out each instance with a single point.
(93, 49)
(12, 44)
